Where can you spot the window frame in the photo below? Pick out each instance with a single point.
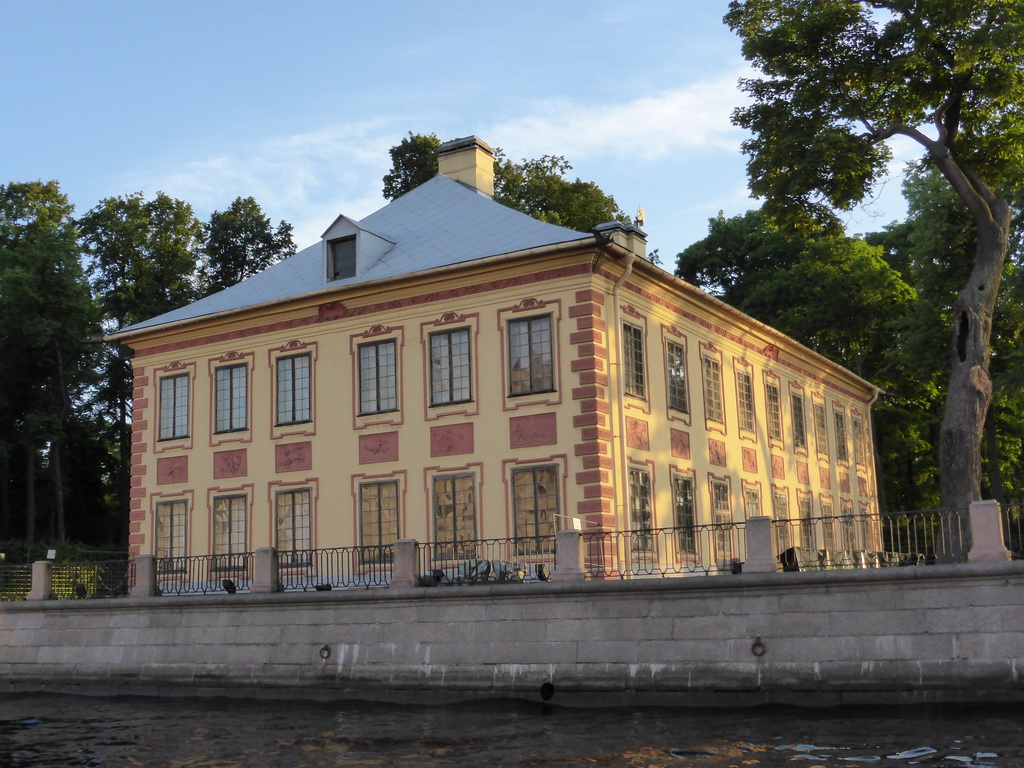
(382, 396)
(634, 379)
(721, 518)
(226, 548)
(293, 555)
(234, 413)
(534, 384)
(387, 531)
(173, 421)
(461, 362)
(526, 542)
(839, 424)
(299, 408)
(176, 538)
(454, 544)
(714, 395)
(684, 513)
(820, 421)
(677, 377)
(746, 413)
(338, 258)
(799, 419)
(773, 411)
(641, 509)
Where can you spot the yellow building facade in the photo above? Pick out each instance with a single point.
(450, 370)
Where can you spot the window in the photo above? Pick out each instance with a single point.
(174, 407)
(803, 503)
(229, 537)
(535, 505)
(633, 360)
(796, 402)
(454, 516)
(858, 441)
(849, 525)
(820, 435)
(685, 514)
(293, 511)
(721, 507)
(231, 398)
(640, 517)
(773, 403)
(170, 534)
(378, 377)
(752, 501)
(676, 366)
(293, 389)
(745, 400)
(530, 356)
(828, 524)
(449, 367)
(342, 257)
(378, 520)
(842, 454)
(713, 390)
(780, 513)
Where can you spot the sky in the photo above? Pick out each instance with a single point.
(297, 103)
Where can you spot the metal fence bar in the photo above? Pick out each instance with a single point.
(204, 574)
(92, 579)
(662, 552)
(15, 582)
(1013, 529)
(487, 560)
(322, 570)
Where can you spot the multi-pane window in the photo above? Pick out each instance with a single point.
(685, 514)
(796, 402)
(849, 525)
(713, 390)
(174, 407)
(343, 257)
(640, 517)
(633, 360)
(231, 391)
(820, 429)
(752, 501)
(773, 405)
(842, 454)
(449, 367)
(530, 355)
(454, 516)
(293, 389)
(803, 503)
(828, 524)
(676, 366)
(293, 511)
(780, 513)
(378, 519)
(858, 440)
(378, 377)
(535, 505)
(721, 508)
(170, 533)
(745, 400)
(229, 532)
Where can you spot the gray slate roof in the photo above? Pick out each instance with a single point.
(438, 223)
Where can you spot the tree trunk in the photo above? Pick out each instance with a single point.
(30, 491)
(5, 497)
(58, 490)
(996, 489)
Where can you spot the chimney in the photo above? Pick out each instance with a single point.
(470, 161)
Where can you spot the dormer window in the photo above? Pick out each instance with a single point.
(343, 257)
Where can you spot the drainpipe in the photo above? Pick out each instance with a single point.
(619, 435)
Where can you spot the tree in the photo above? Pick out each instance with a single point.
(46, 320)
(535, 187)
(842, 78)
(144, 257)
(240, 242)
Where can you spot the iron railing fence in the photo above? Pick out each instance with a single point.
(1013, 529)
(866, 540)
(690, 550)
(204, 574)
(487, 560)
(93, 579)
(15, 582)
(322, 570)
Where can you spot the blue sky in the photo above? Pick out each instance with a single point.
(297, 103)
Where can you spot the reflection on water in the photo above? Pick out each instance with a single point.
(40, 730)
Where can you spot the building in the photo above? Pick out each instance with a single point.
(448, 369)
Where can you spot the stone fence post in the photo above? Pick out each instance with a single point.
(405, 572)
(987, 544)
(759, 546)
(145, 577)
(569, 557)
(42, 581)
(265, 572)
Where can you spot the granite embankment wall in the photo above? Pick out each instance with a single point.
(928, 633)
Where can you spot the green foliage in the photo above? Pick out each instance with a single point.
(240, 242)
(413, 162)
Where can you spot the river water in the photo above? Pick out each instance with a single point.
(56, 730)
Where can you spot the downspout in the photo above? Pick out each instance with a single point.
(619, 435)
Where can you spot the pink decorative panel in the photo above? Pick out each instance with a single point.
(802, 475)
(844, 482)
(377, 448)
(172, 469)
(637, 434)
(862, 485)
(680, 444)
(293, 457)
(230, 463)
(778, 467)
(527, 431)
(749, 460)
(825, 477)
(451, 439)
(716, 452)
